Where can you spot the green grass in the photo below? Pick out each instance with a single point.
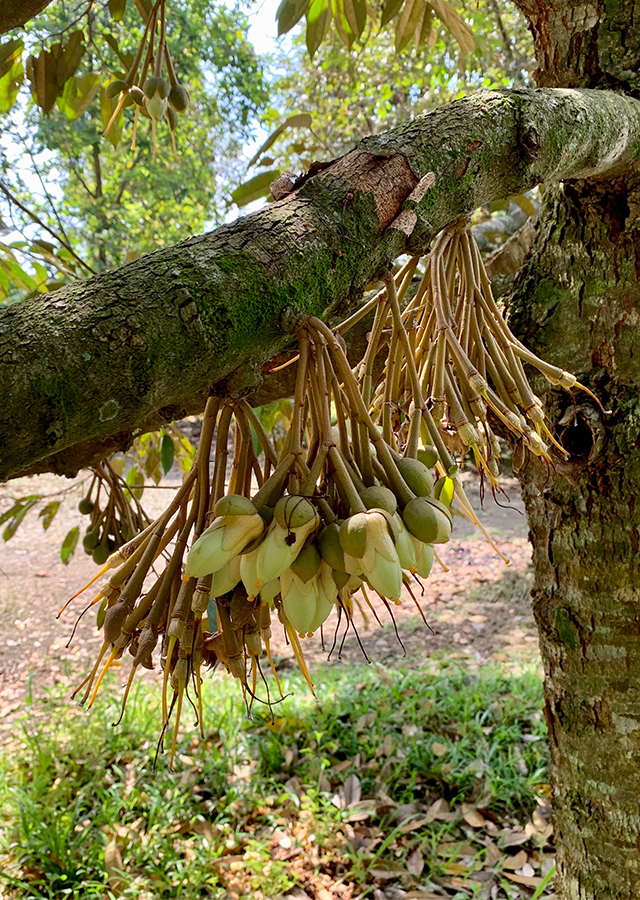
(71, 783)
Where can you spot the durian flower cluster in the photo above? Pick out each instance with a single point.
(352, 507)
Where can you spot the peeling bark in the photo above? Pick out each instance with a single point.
(97, 362)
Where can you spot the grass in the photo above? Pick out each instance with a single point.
(320, 796)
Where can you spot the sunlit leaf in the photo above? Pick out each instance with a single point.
(343, 28)
(117, 9)
(9, 54)
(135, 480)
(318, 18)
(19, 510)
(107, 108)
(79, 93)
(525, 204)
(356, 15)
(256, 187)
(10, 85)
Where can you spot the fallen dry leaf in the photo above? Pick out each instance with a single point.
(113, 867)
(512, 837)
(414, 824)
(415, 863)
(438, 810)
(528, 880)
(517, 861)
(352, 791)
(439, 749)
(472, 816)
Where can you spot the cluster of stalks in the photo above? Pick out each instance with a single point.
(352, 506)
(115, 515)
(154, 94)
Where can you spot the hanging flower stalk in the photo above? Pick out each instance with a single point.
(352, 507)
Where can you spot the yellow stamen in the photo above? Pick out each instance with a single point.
(299, 655)
(111, 658)
(92, 674)
(267, 650)
(176, 727)
(165, 680)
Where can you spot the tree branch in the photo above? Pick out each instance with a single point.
(103, 359)
(14, 13)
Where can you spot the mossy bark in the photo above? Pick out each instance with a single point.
(85, 368)
(577, 302)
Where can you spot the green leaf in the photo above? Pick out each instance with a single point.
(125, 57)
(410, 18)
(17, 506)
(254, 188)
(68, 56)
(10, 53)
(107, 108)
(390, 9)
(343, 28)
(69, 545)
(79, 94)
(152, 465)
(10, 85)
(48, 513)
(117, 9)
(356, 15)
(525, 204)
(300, 120)
(167, 452)
(135, 480)
(318, 18)
(289, 14)
(41, 71)
(12, 527)
(452, 21)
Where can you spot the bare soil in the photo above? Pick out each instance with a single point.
(479, 611)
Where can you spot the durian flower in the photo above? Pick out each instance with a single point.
(225, 538)
(225, 579)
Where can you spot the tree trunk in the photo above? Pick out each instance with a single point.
(578, 303)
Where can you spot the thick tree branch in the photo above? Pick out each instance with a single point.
(14, 13)
(93, 363)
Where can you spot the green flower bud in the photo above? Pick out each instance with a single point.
(417, 476)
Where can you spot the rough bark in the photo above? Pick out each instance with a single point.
(14, 13)
(84, 368)
(578, 302)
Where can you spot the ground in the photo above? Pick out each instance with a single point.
(412, 778)
(479, 610)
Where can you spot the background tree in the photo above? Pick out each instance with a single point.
(97, 196)
(576, 300)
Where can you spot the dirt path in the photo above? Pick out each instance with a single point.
(479, 610)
